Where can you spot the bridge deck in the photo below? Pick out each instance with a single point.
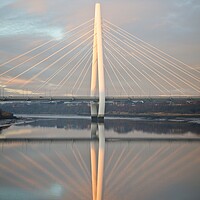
(89, 98)
(108, 139)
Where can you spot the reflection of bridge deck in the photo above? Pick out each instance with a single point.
(88, 98)
(107, 139)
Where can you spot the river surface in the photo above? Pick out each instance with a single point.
(122, 159)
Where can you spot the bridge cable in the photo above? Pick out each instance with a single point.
(139, 71)
(31, 58)
(149, 45)
(167, 61)
(151, 60)
(45, 58)
(110, 78)
(46, 68)
(78, 65)
(159, 57)
(123, 69)
(152, 70)
(147, 78)
(121, 75)
(72, 70)
(155, 72)
(112, 67)
(35, 48)
(69, 74)
(81, 73)
(65, 65)
(84, 76)
(169, 71)
(123, 66)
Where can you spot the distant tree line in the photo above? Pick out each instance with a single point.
(117, 108)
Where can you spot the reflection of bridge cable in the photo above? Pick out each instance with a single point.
(87, 171)
(31, 58)
(59, 170)
(68, 165)
(120, 159)
(35, 48)
(161, 168)
(152, 165)
(48, 57)
(128, 166)
(120, 167)
(43, 170)
(31, 174)
(128, 169)
(80, 163)
(19, 176)
(149, 45)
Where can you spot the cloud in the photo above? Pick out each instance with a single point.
(21, 26)
(26, 27)
(182, 3)
(19, 91)
(5, 3)
(15, 82)
(16, 19)
(36, 6)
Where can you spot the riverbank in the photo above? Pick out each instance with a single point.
(6, 115)
(6, 119)
(155, 115)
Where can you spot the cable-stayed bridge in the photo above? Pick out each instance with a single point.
(97, 61)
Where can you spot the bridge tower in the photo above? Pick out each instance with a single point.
(98, 69)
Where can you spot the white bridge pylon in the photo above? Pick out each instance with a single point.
(98, 69)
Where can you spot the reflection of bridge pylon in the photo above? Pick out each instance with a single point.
(97, 168)
(98, 68)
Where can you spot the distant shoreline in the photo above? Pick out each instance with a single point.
(86, 116)
(158, 115)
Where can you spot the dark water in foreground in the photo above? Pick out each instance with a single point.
(153, 170)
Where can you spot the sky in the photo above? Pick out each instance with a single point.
(171, 25)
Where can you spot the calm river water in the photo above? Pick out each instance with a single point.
(130, 160)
